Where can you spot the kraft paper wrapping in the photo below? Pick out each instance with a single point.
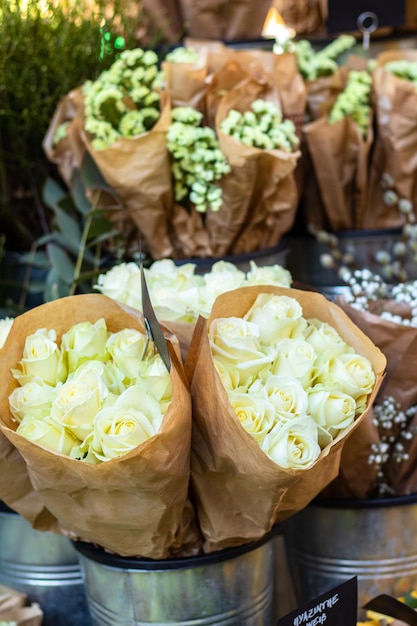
(240, 493)
(259, 195)
(340, 157)
(138, 170)
(226, 20)
(186, 82)
(399, 345)
(136, 505)
(395, 140)
(68, 153)
(165, 19)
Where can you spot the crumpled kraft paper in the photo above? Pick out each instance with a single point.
(240, 493)
(395, 140)
(259, 195)
(136, 505)
(398, 343)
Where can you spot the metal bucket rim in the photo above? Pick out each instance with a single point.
(364, 503)
(282, 246)
(99, 555)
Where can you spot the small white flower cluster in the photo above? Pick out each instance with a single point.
(123, 101)
(262, 127)
(365, 288)
(197, 160)
(393, 426)
(182, 54)
(354, 101)
(312, 64)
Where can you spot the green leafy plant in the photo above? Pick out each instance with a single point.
(47, 49)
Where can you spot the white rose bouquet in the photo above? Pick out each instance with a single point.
(101, 427)
(280, 378)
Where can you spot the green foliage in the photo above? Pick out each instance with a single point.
(46, 50)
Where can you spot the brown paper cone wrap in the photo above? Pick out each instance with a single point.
(399, 345)
(135, 505)
(396, 140)
(68, 153)
(305, 16)
(138, 169)
(226, 20)
(241, 493)
(186, 82)
(189, 233)
(323, 92)
(340, 160)
(291, 87)
(259, 195)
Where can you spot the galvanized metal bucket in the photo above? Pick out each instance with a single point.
(232, 587)
(45, 567)
(331, 541)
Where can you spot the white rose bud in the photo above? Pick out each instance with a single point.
(44, 432)
(122, 283)
(331, 408)
(42, 361)
(277, 317)
(268, 275)
(255, 413)
(31, 399)
(288, 396)
(296, 358)
(84, 341)
(79, 399)
(134, 418)
(325, 339)
(293, 444)
(127, 347)
(352, 373)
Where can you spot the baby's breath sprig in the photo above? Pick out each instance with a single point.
(197, 160)
(395, 436)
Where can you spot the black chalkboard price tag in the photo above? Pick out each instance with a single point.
(337, 607)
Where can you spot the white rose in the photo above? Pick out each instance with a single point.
(277, 317)
(255, 413)
(288, 396)
(236, 340)
(223, 276)
(122, 283)
(229, 374)
(127, 349)
(331, 408)
(295, 358)
(5, 327)
(84, 341)
(79, 399)
(293, 444)
(134, 418)
(268, 275)
(42, 360)
(44, 432)
(31, 399)
(157, 380)
(352, 373)
(325, 339)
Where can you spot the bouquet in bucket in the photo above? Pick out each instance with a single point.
(185, 187)
(99, 428)
(379, 460)
(280, 380)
